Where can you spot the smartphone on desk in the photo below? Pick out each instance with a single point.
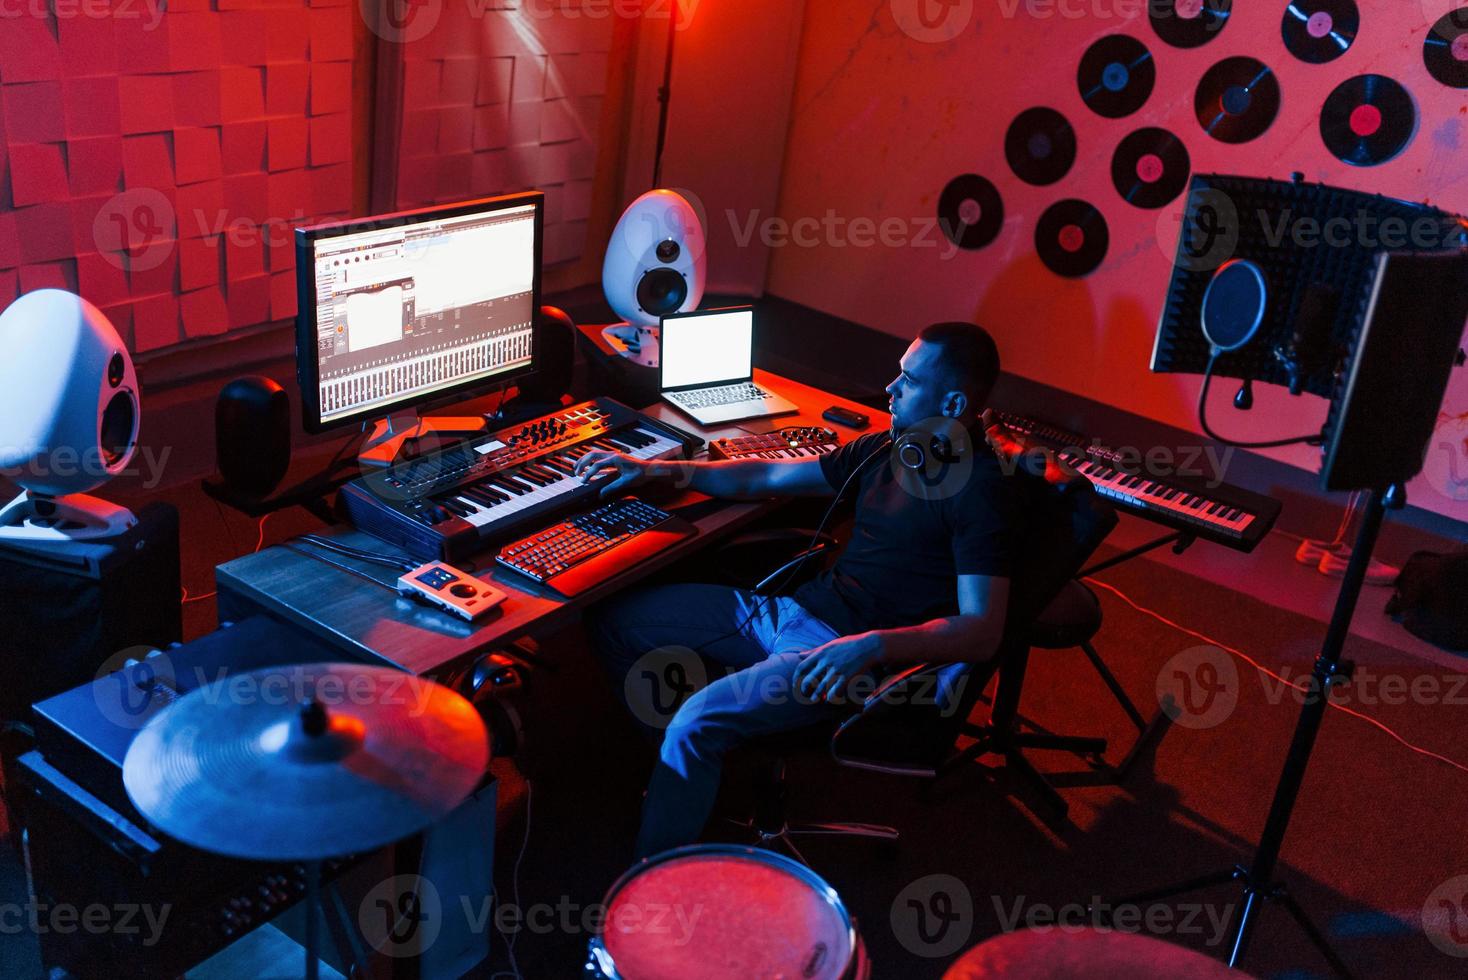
(846, 417)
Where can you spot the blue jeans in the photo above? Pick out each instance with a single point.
(710, 666)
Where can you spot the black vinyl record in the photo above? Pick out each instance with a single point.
(1150, 168)
(970, 211)
(1317, 31)
(1072, 238)
(1368, 120)
(1237, 100)
(1446, 49)
(1116, 76)
(1040, 146)
(1189, 23)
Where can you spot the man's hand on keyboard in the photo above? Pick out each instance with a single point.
(599, 465)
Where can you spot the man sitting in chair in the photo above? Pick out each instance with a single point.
(924, 578)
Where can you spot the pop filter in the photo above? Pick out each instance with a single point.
(1234, 305)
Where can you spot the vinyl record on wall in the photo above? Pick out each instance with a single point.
(1237, 100)
(1368, 120)
(970, 211)
(1040, 146)
(1317, 31)
(1150, 168)
(1116, 76)
(1189, 23)
(1446, 49)
(1072, 238)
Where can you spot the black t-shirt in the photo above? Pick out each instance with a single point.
(912, 537)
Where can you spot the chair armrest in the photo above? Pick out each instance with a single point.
(908, 724)
(778, 576)
(745, 558)
(896, 684)
(774, 538)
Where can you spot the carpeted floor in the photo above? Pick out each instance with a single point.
(1377, 831)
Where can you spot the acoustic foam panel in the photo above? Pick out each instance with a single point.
(505, 104)
(149, 160)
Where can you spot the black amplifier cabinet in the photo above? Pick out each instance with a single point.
(87, 848)
(66, 610)
(161, 907)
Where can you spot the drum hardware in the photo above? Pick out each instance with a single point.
(364, 757)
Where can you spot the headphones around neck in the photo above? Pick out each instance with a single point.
(913, 452)
(918, 448)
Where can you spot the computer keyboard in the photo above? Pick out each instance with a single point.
(726, 395)
(583, 551)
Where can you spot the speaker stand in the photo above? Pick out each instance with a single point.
(637, 344)
(36, 522)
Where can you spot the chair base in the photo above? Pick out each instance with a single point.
(994, 740)
(769, 827)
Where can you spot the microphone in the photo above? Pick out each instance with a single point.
(1306, 352)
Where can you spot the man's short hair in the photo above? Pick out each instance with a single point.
(969, 356)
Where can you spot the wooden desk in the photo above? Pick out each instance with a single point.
(374, 625)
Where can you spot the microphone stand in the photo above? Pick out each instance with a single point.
(1259, 878)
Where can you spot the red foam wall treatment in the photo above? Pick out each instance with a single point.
(154, 161)
(500, 100)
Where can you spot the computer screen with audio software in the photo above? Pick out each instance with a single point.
(405, 309)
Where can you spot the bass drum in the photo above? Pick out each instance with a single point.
(722, 912)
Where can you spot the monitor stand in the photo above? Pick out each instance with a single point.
(389, 435)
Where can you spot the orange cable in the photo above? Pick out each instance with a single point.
(259, 543)
(1265, 670)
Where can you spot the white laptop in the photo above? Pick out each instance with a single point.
(707, 367)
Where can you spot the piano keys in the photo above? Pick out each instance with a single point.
(1211, 510)
(495, 486)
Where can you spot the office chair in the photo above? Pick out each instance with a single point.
(1065, 529)
(912, 724)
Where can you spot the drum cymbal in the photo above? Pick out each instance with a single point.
(306, 762)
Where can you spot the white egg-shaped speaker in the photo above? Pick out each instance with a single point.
(655, 262)
(69, 414)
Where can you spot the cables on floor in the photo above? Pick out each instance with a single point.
(514, 970)
(185, 598)
(1269, 673)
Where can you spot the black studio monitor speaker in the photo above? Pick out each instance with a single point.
(555, 357)
(252, 434)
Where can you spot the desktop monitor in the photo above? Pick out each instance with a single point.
(401, 311)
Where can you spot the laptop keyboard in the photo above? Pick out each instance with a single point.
(726, 395)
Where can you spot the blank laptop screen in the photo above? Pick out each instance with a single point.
(707, 349)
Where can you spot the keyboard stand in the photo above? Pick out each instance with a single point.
(1180, 540)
